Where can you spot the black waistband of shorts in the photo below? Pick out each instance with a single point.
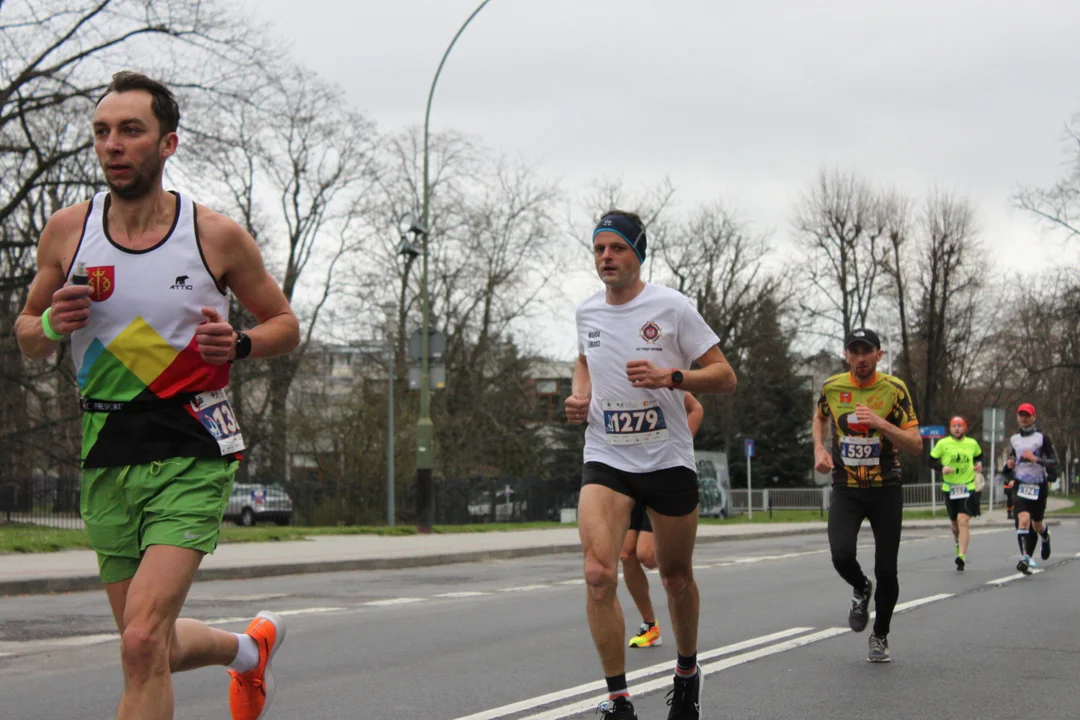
(134, 406)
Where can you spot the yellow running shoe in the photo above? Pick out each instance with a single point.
(251, 693)
(646, 637)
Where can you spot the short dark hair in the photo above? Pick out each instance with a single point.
(162, 103)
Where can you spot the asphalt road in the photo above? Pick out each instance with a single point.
(508, 639)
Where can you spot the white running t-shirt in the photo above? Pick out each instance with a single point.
(636, 429)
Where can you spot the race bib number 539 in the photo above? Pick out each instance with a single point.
(632, 422)
(860, 450)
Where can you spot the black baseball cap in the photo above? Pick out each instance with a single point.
(862, 335)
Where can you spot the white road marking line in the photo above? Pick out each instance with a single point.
(1010, 578)
(635, 675)
(77, 641)
(241, 598)
(393, 601)
(575, 581)
(522, 588)
(463, 594)
(911, 604)
(309, 611)
(664, 682)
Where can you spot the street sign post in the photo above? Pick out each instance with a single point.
(993, 433)
(748, 448)
(933, 432)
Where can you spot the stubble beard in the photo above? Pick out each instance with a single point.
(140, 185)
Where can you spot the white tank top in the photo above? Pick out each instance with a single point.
(139, 345)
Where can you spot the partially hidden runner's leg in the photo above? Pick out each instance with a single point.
(603, 517)
(637, 556)
(846, 513)
(637, 583)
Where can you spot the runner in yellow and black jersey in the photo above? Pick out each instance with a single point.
(871, 418)
(863, 456)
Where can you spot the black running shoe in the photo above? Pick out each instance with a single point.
(960, 563)
(685, 698)
(1046, 546)
(879, 650)
(1024, 565)
(859, 614)
(618, 709)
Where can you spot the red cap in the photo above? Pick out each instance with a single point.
(1026, 408)
(960, 420)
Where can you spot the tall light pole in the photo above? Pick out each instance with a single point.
(390, 310)
(425, 429)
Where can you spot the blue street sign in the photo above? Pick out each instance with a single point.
(748, 447)
(932, 431)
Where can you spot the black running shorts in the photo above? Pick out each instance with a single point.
(969, 506)
(639, 519)
(670, 491)
(1037, 508)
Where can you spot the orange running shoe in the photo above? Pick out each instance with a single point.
(647, 636)
(251, 693)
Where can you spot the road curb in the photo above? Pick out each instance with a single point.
(80, 583)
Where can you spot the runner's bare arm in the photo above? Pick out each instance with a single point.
(69, 305)
(822, 458)
(909, 440)
(713, 375)
(577, 405)
(240, 266)
(695, 413)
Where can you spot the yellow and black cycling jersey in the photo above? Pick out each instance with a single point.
(863, 457)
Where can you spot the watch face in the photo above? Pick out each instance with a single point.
(243, 346)
(676, 377)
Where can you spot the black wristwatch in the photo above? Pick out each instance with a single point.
(676, 378)
(243, 345)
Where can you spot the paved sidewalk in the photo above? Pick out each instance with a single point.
(72, 570)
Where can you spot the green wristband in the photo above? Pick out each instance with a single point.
(47, 328)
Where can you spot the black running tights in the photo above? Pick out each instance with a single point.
(884, 508)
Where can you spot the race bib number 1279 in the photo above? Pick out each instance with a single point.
(632, 422)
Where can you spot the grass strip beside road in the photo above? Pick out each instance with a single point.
(25, 538)
(21, 538)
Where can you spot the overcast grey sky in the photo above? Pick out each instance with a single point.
(744, 101)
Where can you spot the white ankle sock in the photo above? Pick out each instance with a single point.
(247, 654)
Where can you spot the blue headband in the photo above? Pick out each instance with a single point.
(627, 229)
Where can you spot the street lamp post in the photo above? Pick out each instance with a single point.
(390, 310)
(425, 429)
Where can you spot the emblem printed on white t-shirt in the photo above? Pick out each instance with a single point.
(650, 332)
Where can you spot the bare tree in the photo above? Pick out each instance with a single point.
(1059, 204)
(716, 260)
(841, 232)
(299, 166)
(949, 280)
(57, 57)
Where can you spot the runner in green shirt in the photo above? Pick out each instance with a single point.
(958, 458)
